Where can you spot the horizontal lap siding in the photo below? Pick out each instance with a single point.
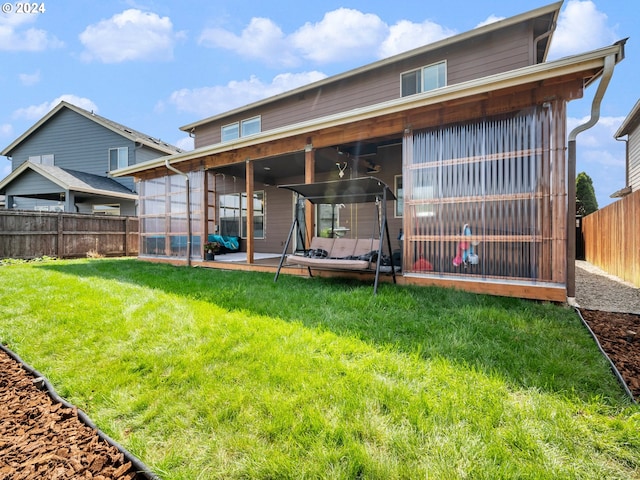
(501, 51)
(634, 159)
(76, 142)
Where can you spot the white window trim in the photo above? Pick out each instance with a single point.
(446, 76)
(247, 120)
(232, 124)
(118, 161)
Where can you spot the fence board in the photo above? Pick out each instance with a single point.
(612, 238)
(29, 234)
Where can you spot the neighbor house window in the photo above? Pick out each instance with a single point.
(424, 79)
(233, 214)
(249, 126)
(42, 159)
(118, 158)
(108, 209)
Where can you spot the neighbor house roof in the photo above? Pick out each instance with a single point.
(630, 122)
(547, 14)
(577, 64)
(127, 132)
(72, 180)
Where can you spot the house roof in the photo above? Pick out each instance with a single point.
(545, 19)
(585, 63)
(72, 180)
(356, 190)
(126, 132)
(630, 122)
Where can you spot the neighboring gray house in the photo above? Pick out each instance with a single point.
(63, 163)
(631, 129)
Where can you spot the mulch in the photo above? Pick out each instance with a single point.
(619, 336)
(41, 438)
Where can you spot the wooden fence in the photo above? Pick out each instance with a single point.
(29, 234)
(612, 238)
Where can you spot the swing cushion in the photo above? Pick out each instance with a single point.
(343, 254)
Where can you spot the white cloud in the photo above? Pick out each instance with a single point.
(406, 35)
(35, 112)
(15, 37)
(130, 35)
(29, 79)
(600, 156)
(262, 39)
(6, 130)
(490, 19)
(207, 101)
(185, 144)
(581, 27)
(342, 34)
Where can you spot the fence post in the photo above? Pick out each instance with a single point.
(126, 236)
(60, 245)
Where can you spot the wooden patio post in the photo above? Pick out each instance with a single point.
(309, 177)
(249, 189)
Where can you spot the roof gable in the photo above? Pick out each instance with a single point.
(71, 180)
(118, 128)
(629, 123)
(543, 20)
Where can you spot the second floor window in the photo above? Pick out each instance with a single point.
(118, 158)
(424, 79)
(249, 126)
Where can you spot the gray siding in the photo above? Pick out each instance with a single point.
(76, 142)
(634, 158)
(81, 144)
(500, 51)
(32, 183)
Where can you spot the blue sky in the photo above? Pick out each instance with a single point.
(155, 65)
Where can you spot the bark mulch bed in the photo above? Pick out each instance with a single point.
(42, 438)
(619, 336)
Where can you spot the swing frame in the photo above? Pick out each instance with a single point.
(347, 191)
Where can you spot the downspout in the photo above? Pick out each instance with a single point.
(188, 202)
(609, 64)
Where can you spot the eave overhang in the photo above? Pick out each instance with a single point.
(63, 185)
(124, 131)
(550, 12)
(630, 122)
(589, 65)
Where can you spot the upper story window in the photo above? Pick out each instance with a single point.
(42, 159)
(249, 126)
(230, 132)
(118, 158)
(424, 79)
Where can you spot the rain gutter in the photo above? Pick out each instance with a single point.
(188, 205)
(607, 71)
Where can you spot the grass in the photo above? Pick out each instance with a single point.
(212, 374)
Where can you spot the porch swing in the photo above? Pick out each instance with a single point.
(341, 254)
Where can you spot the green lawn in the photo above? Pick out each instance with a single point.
(214, 374)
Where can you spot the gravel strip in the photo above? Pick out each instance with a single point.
(598, 290)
